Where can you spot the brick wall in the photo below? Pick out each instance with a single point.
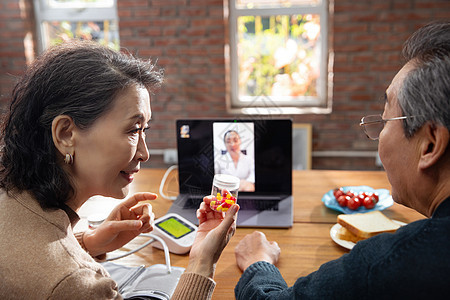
(16, 43)
(187, 38)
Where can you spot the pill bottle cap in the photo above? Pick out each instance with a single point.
(225, 181)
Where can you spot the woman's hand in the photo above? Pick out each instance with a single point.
(255, 247)
(126, 221)
(213, 234)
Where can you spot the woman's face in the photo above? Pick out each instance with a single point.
(233, 142)
(108, 154)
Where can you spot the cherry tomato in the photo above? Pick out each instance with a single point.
(376, 197)
(338, 192)
(350, 193)
(354, 200)
(354, 203)
(343, 200)
(369, 202)
(361, 197)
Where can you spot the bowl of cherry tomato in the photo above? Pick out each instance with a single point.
(357, 199)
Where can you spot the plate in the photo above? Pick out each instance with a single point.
(334, 236)
(347, 244)
(385, 199)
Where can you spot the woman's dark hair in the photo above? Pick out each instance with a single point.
(79, 79)
(226, 133)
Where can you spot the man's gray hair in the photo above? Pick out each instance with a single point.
(425, 92)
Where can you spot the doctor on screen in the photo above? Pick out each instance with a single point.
(235, 162)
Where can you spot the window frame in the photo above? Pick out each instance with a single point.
(263, 104)
(46, 13)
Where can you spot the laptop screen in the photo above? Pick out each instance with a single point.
(259, 152)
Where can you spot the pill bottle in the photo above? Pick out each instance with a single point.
(224, 187)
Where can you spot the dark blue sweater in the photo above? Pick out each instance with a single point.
(413, 263)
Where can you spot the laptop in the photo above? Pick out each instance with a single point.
(205, 147)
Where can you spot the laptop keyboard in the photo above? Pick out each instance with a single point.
(193, 202)
(260, 205)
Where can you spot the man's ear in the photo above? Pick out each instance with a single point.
(435, 140)
(63, 133)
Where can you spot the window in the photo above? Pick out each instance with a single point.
(60, 20)
(278, 57)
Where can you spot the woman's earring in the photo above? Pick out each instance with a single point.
(69, 159)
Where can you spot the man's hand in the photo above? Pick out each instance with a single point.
(255, 247)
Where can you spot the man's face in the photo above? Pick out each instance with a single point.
(398, 154)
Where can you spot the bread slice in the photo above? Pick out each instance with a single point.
(343, 234)
(366, 225)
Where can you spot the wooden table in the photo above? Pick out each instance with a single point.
(304, 247)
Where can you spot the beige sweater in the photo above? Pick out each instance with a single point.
(40, 258)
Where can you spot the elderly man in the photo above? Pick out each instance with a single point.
(413, 135)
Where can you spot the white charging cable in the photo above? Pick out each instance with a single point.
(154, 238)
(166, 249)
(163, 182)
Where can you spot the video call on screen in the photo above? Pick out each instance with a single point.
(206, 147)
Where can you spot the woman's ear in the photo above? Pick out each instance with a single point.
(63, 133)
(435, 140)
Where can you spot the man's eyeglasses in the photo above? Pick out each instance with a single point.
(373, 124)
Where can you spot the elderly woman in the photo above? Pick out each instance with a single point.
(76, 128)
